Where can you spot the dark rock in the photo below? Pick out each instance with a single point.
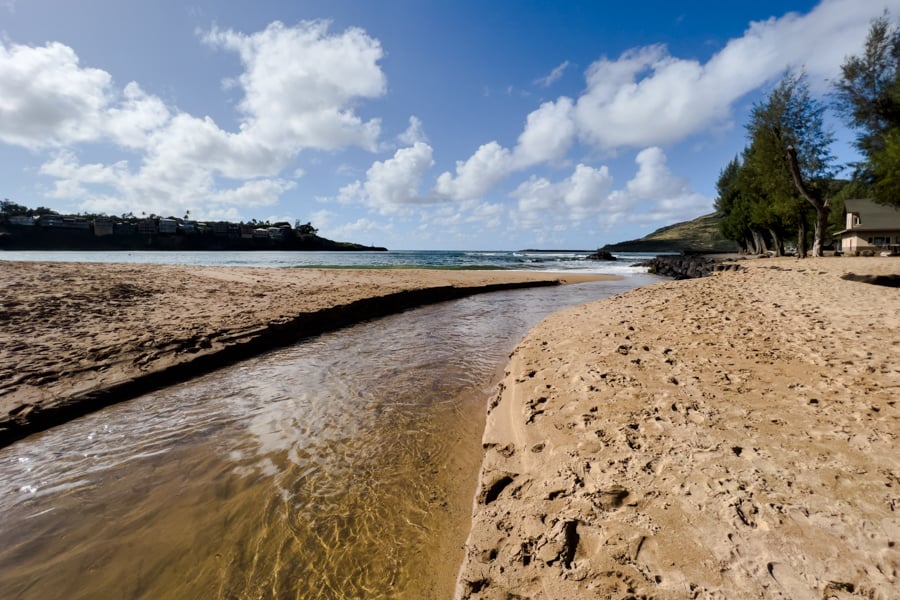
(685, 266)
(600, 255)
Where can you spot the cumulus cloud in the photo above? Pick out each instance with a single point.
(548, 133)
(393, 184)
(355, 229)
(480, 172)
(648, 97)
(48, 98)
(660, 195)
(414, 133)
(653, 194)
(577, 197)
(300, 85)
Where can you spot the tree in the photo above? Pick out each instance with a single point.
(10, 208)
(305, 229)
(884, 167)
(866, 94)
(792, 124)
(730, 203)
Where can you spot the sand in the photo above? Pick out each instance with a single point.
(78, 336)
(734, 436)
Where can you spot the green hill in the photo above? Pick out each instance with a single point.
(700, 235)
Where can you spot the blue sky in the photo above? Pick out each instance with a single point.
(401, 123)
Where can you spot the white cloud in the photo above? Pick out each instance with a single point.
(655, 194)
(414, 133)
(648, 97)
(490, 164)
(393, 184)
(299, 83)
(555, 74)
(548, 133)
(355, 230)
(48, 99)
(578, 197)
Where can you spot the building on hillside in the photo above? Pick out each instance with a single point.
(103, 227)
(21, 220)
(124, 229)
(870, 228)
(168, 226)
(147, 226)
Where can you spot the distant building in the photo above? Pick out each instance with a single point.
(50, 221)
(124, 229)
(147, 226)
(103, 227)
(21, 221)
(168, 226)
(870, 227)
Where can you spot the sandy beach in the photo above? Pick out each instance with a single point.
(734, 436)
(78, 336)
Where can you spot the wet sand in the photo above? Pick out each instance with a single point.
(734, 436)
(76, 336)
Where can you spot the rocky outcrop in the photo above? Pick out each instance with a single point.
(685, 266)
(600, 255)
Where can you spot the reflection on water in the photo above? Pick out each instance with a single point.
(342, 467)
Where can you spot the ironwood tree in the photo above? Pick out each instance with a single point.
(867, 96)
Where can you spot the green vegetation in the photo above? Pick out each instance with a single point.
(782, 186)
(703, 234)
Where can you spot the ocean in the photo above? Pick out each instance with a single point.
(394, 259)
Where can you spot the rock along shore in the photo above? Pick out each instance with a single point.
(731, 436)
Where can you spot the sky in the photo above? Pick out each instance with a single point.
(440, 124)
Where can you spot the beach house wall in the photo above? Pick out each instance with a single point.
(870, 228)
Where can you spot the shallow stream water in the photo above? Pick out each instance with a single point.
(341, 467)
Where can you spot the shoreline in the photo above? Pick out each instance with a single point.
(81, 336)
(732, 432)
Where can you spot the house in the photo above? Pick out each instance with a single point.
(103, 227)
(870, 228)
(21, 220)
(147, 226)
(168, 226)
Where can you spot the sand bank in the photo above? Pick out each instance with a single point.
(76, 337)
(734, 436)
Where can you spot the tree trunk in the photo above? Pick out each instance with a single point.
(777, 242)
(819, 232)
(820, 204)
(801, 238)
(759, 242)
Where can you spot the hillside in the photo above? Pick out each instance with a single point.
(700, 235)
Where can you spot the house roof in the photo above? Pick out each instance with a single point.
(873, 216)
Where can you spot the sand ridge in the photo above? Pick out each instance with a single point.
(734, 436)
(78, 336)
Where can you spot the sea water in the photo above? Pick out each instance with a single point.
(429, 259)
